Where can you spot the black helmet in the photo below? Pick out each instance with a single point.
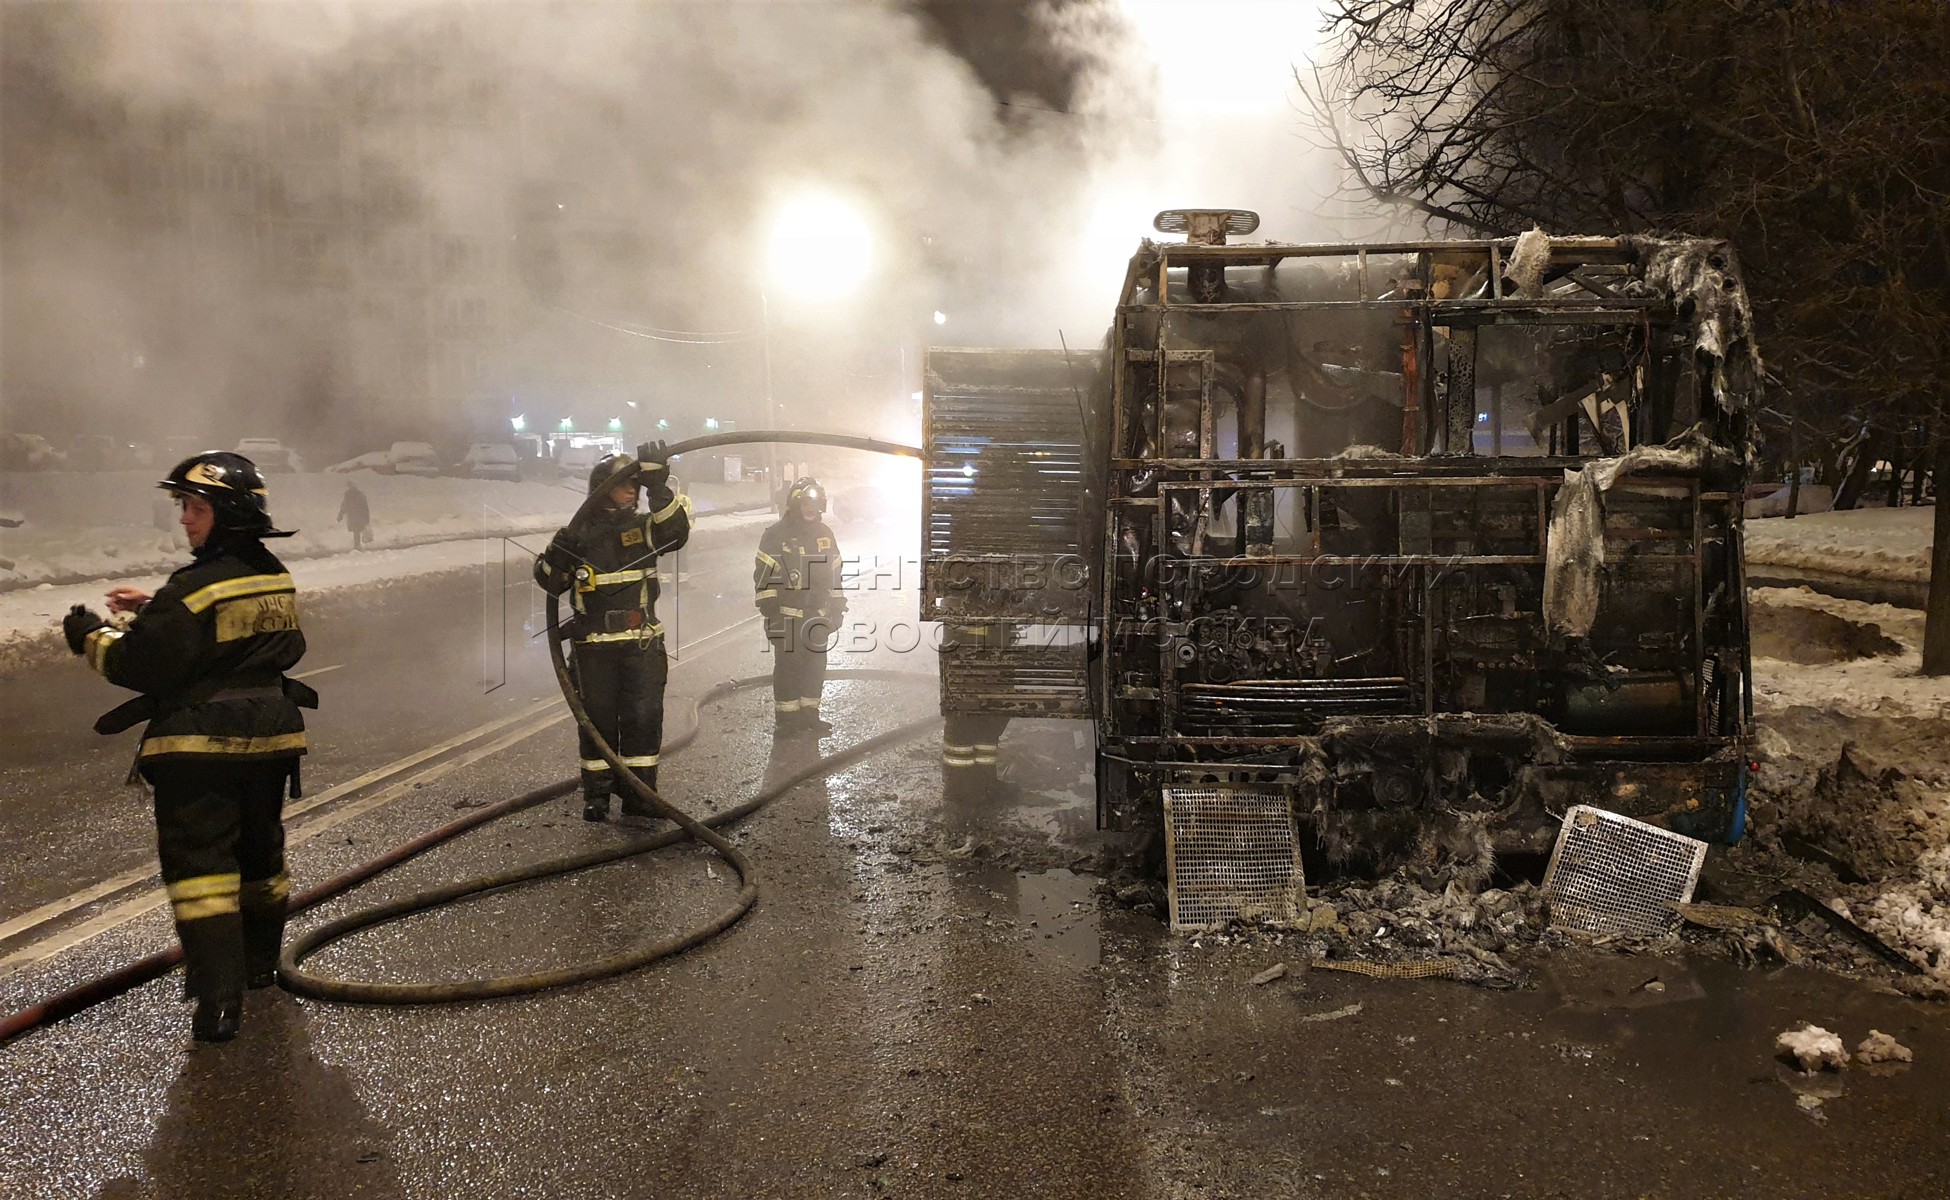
(608, 466)
(234, 487)
(805, 488)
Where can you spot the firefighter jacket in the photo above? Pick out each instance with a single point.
(797, 571)
(208, 653)
(607, 563)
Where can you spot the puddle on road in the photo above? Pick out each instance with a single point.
(1055, 910)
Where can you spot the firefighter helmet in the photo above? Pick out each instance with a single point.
(232, 485)
(805, 488)
(606, 468)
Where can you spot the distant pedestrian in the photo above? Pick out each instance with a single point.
(208, 652)
(356, 515)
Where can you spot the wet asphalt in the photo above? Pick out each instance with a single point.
(930, 1000)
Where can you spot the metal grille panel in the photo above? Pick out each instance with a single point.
(1043, 681)
(1005, 482)
(1230, 853)
(1610, 874)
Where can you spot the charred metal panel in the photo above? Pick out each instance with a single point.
(1434, 630)
(1007, 491)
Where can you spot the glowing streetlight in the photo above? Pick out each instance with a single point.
(565, 425)
(711, 423)
(821, 246)
(615, 424)
(662, 424)
(519, 421)
(940, 318)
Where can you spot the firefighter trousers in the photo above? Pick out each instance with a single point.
(220, 839)
(622, 686)
(969, 745)
(798, 676)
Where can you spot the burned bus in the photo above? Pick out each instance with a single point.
(1400, 548)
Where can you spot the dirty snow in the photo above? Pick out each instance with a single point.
(1879, 1047)
(81, 526)
(1878, 543)
(1813, 1048)
(29, 617)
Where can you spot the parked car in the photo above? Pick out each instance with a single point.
(269, 454)
(29, 452)
(100, 452)
(489, 460)
(378, 460)
(576, 462)
(414, 458)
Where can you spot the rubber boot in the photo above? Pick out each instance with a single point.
(634, 805)
(595, 801)
(213, 966)
(217, 1018)
(263, 940)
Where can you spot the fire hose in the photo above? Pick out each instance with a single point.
(294, 976)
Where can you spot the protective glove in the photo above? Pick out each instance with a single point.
(563, 555)
(653, 456)
(78, 624)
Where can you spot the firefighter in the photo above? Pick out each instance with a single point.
(797, 580)
(208, 652)
(607, 562)
(970, 741)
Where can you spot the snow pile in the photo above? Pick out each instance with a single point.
(1879, 543)
(107, 525)
(1914, 915)
(1812, 1048)
(1879, 1047)
(1881, 684)
(30, 617)
(86, 525)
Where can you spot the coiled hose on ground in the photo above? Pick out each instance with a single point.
(309, 983)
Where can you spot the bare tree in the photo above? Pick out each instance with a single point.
(1812, 134)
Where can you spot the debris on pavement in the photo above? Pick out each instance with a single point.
(1333, 1015)
(1276, 971)
(1812, 1048)
(1879, 1047)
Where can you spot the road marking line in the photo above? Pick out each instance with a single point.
(88, 895)
(137, 906)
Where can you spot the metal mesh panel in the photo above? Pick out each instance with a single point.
(1611, 874)
(1023, 680)
(1230, 853)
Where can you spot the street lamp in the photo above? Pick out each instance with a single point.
(519, 421)
(820, 248)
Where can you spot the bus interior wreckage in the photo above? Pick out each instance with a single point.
(1398, 550)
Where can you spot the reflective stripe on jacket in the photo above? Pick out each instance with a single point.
(209, 652)
(615, 600)
(796, 572)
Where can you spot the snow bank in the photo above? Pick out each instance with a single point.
(82, 526)
(1885, 685)
(30, 617)
(1879, 543)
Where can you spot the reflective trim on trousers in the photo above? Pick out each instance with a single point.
(593, 764)
(204, 896)
(649, 633)
(639, 760)
(787, 705)
(263, 893)
(203, 743)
